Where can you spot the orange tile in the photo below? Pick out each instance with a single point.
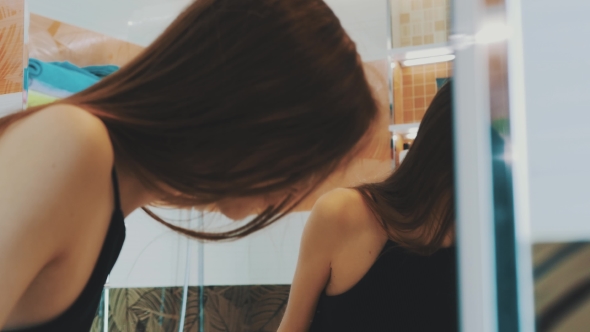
(408, 80)
(431, 68)
(429, 39)
(439, 25)
(440, 73)
(408, 93)
(430, 89)
(429, 76)
(417, 69)
(408, 104)
(408, 117)
(419, 115)
(418, 90)
(417, 41)
(419, 79)
(419, 102)
(404, 18)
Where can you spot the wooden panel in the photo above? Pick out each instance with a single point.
(52, 40)
(11, 46)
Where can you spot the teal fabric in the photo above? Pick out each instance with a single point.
(66, 76)
(441, 81)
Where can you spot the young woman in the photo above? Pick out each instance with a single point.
(244, 105)
(380, 257)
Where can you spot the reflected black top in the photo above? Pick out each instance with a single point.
(401, 292)
(79, 316)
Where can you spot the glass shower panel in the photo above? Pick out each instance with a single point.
(556, 81)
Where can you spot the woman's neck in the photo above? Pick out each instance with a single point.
(133, 194)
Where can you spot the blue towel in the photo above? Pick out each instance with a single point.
(66, 76)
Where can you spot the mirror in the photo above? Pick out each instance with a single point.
(162, 281)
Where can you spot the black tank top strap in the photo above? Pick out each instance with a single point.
(116, 190)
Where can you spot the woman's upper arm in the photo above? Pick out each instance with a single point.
(321, 238)
(47, 165)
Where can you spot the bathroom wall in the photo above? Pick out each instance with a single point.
(13, 55)
(414, 89)
(419, 22)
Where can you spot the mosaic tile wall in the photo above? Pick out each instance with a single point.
(414, 89)
(420, 22)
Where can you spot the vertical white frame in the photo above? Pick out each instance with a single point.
(475, 231)
(520, 180)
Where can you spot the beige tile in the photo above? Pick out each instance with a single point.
(404, 5)
(404, 18)
(417, 41)
(440, 25)
(417, 29)
(416, 4)
(428, 3)
(429, 39)
(405, 42)
(405, 29)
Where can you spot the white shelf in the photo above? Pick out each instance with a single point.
(403, 128)
(422, 51)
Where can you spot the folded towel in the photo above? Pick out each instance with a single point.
(66, 76)
(38, 98)
(35, 85)
(101, 71)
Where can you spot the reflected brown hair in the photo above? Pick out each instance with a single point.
(237, 98)
(416, 204)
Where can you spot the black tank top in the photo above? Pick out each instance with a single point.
(79, 316)
(401, 292)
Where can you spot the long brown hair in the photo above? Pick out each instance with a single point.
(416, 204)
(237, 98)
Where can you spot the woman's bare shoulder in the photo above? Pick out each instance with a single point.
(63, 132)
(345, 211)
